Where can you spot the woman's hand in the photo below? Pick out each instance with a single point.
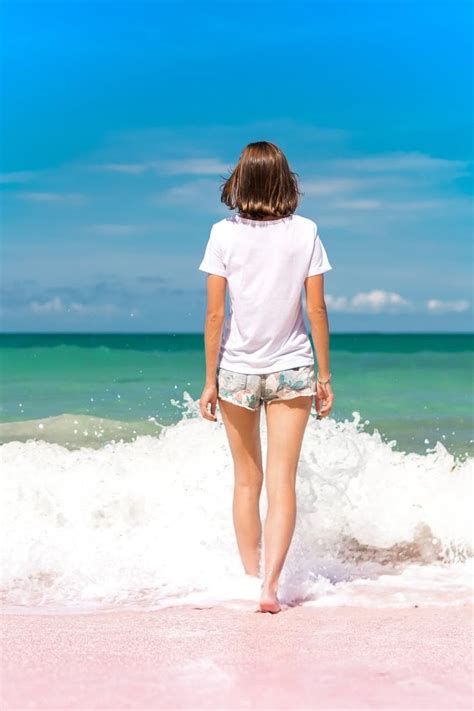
(208, 397)
(323, 400)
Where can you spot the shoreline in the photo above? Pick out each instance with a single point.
(219, 658)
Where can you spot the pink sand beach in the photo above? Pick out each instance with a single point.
(218, 658)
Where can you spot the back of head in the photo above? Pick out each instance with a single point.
(262, 184)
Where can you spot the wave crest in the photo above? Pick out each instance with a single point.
(148, 522)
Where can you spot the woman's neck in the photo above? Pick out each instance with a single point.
(262, 219)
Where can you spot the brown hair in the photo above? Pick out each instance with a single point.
(261, 184)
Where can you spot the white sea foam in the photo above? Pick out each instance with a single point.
(148, 522)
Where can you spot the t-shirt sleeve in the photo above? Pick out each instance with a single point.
(213, 262)
(319, 259)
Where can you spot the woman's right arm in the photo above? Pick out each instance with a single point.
(318, 320)
(215, 317)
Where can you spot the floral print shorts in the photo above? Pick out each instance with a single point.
(249, 390)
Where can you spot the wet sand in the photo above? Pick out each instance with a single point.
(217, 658)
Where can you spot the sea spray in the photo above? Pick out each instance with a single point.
(148, 522)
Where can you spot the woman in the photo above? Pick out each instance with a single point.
(265, 254)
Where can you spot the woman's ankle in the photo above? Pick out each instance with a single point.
(254, 573)
(270, 587)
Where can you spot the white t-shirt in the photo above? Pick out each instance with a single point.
(265, 263)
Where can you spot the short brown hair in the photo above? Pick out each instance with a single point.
(261, 184)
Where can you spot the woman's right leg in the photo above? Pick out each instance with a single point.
(286, 424)
(243, 432)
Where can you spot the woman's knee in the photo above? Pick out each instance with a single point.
(249, 486)
(282, 489)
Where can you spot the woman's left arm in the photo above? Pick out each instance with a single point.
(215, 316)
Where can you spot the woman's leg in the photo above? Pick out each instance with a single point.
(286, 423)
(243, 432)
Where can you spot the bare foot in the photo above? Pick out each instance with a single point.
(269, 603)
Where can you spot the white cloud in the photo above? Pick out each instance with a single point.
(202, 194)
(188, 191)
(332, 186)
(94, 309)
(337, 303)
(366, 218)
(401, 162)
(459, 204)
(180, 166)
(56, 306)
(362, 204)
(375, 301)
(398, 184)
(436, 306)
(53, 306)
(128, 168)
(50, 197)
(21, 176)
(405, 206)
(380, 301)
(192, 166)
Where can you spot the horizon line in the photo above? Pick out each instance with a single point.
(201, 333)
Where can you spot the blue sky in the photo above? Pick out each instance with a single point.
(120, 119)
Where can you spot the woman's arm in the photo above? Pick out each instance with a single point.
(215, 315)
(318, 319)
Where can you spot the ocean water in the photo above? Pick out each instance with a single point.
(115, 493)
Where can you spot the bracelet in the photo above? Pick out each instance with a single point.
(323, 382)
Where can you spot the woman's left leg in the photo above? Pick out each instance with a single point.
(286, 424)
(243, 432)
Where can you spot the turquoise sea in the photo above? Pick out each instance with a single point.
(415, 389)
(115, 492)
